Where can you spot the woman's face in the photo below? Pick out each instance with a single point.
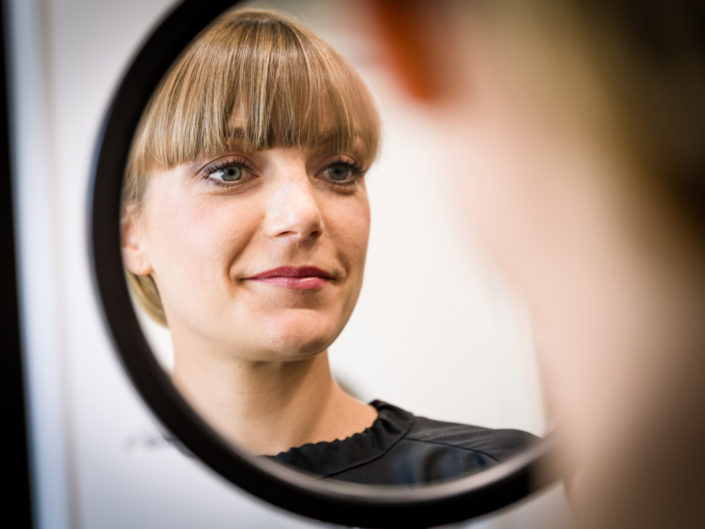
(258, 255)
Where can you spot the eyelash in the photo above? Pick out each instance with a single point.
(220, 165)
(357, 170)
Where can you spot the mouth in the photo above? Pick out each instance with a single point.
(294, 278)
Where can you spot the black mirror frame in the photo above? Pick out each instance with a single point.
(330, 501)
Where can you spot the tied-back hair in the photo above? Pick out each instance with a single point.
(256, 78)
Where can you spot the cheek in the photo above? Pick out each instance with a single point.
(196, 239)
(348, 221)
(178, 234)
(513, 178)
(490, 187)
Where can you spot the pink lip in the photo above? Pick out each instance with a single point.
(295, 278)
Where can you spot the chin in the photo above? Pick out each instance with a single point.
(301, 336)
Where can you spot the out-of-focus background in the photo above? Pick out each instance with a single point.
(434, 330)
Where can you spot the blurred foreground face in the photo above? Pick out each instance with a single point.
(541, 176)
(542, 165)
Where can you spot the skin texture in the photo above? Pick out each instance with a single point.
(252, 356)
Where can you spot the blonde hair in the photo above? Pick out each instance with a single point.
(253, 76)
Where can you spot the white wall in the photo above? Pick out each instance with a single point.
(97, 460)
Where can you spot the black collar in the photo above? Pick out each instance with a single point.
(329, 458)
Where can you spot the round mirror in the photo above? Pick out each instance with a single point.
(244, 247)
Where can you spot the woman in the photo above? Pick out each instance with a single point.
(245, 230)
(584, 125)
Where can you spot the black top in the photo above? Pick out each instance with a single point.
(402, 449)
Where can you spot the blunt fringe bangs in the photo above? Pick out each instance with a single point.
(257, 78)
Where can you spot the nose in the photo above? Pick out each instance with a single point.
(293, 211)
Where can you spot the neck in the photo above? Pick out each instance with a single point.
(269, 407)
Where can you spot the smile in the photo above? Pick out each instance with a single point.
(294, 278)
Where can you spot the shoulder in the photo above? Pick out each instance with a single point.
(493, 444)
(431, 450)
(400, 448)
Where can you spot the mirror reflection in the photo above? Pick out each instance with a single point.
(257, 197)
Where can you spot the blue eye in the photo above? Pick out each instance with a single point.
(338, 172)
(227, 173)
(342, 172)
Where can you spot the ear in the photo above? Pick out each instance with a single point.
(133, 242)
